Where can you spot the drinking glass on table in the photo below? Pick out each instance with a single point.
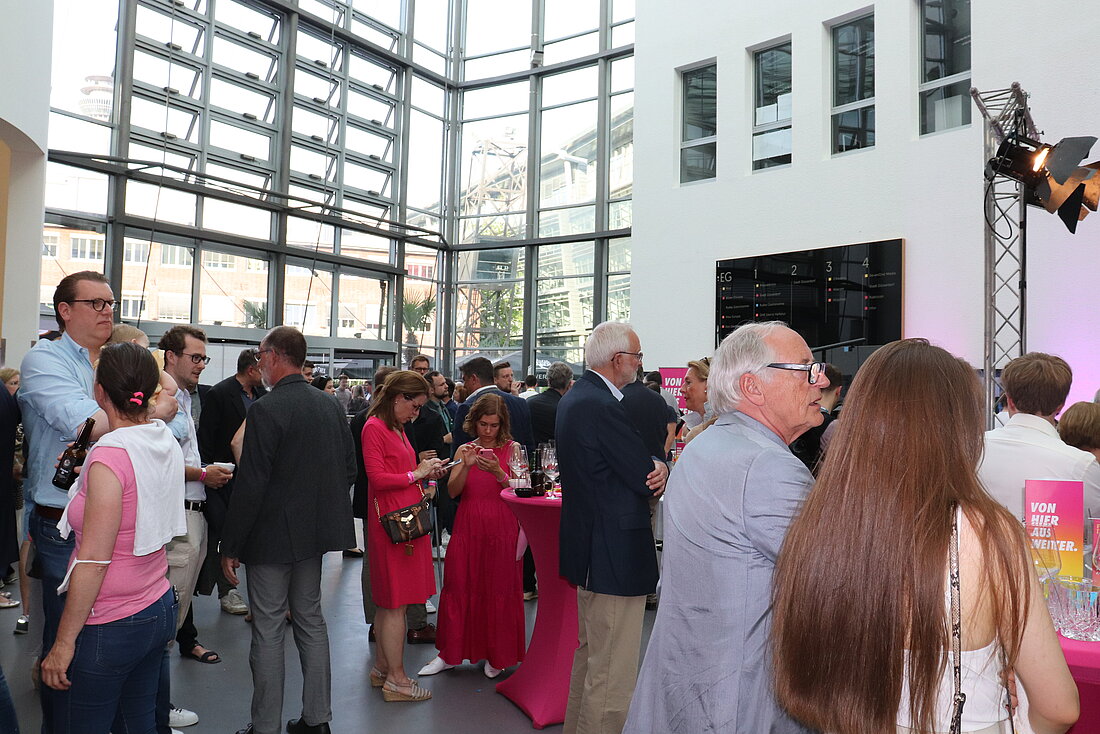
(550, 464)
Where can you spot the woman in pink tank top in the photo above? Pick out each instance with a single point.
(120, 610)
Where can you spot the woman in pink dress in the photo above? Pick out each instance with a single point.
(401, 573)
(481, 605)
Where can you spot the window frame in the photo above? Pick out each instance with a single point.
(786, 123)
(836, 110)
(687, 144)
(924, 87)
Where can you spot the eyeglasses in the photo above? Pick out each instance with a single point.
(97, 304)
(632, 354)
(412, 398)
(196, 358)
(256, 352)
(813, 370)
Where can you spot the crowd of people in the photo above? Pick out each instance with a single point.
(826, 566)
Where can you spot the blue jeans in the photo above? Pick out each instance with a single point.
(8, 722)
(115, 672)
(51, 559)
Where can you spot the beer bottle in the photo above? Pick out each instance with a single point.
(73, 457)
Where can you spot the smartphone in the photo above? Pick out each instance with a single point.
(451, 464)
(485, 452)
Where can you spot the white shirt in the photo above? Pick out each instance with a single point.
(616, 392)
(1028, 447)
(193, 490)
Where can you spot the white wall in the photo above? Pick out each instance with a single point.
(926, 190)
(25, 46)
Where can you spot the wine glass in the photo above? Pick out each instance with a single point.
(550, 464)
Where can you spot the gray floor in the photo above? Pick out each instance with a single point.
(464, 700)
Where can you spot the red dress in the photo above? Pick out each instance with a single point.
(396, 578)
(481, 605)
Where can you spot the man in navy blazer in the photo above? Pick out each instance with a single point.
(477, 376)
(608, 477)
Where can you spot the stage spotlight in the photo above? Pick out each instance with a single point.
(1053, 176)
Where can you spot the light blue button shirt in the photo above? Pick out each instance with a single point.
(55, 395)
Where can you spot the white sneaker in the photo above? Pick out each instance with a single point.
(444, 539)
(179, 718)
(430, 607)
(435, 666)
(233, 603)
(491, 672)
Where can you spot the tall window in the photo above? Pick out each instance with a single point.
(771, 132)
(854, 85)
(699, 136)
(945, 65)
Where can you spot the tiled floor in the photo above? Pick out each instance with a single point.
(464, 700)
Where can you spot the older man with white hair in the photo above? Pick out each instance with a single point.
(736, 489)
(607, 549)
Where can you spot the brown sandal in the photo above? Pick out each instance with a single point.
(391, 692)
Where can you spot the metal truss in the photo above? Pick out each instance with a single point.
(1005, 112)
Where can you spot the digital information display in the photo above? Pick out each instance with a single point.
(829, 295)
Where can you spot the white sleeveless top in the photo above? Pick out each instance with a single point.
(981, 682)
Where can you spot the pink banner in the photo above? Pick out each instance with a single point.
(1095, 571)
(1055, 519)
(672, 379)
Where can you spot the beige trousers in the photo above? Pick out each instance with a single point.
(605, 665)
(185, 555)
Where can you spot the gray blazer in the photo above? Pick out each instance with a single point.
(730, 499)
(290, 497)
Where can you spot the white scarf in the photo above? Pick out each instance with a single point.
(158, 472)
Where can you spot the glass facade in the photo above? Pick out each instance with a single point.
(336, 165)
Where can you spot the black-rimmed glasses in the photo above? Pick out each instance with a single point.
(632, 354)
(196, 358)
(411, 398)
(97, 304)
(813, 370)
(257, 352)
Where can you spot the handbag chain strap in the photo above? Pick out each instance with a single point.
(419, 486)
(956, 623)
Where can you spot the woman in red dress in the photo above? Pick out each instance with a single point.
(481, 605)
(401, 573)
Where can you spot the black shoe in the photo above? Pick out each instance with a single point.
(299, 726)
(246, 730)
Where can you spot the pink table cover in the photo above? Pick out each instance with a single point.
(540, 686)
(1083, 659)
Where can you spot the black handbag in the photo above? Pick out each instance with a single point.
(408, 523)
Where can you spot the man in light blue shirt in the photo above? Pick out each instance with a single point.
(56, 399)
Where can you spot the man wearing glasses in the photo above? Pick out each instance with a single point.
(735, 491)
(184, 359)
(290, 506)
(56, 398)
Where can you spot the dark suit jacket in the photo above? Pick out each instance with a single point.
(290, 500)
(650, 415)
(544, 409)
(222, 414)
(427, 433)
(606, 541)
(519, 416)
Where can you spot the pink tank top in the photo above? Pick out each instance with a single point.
(132, 582)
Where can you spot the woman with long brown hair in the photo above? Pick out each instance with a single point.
(481, 604)
(401, 574)
(862, 627)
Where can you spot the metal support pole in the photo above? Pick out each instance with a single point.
(1005, 112)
